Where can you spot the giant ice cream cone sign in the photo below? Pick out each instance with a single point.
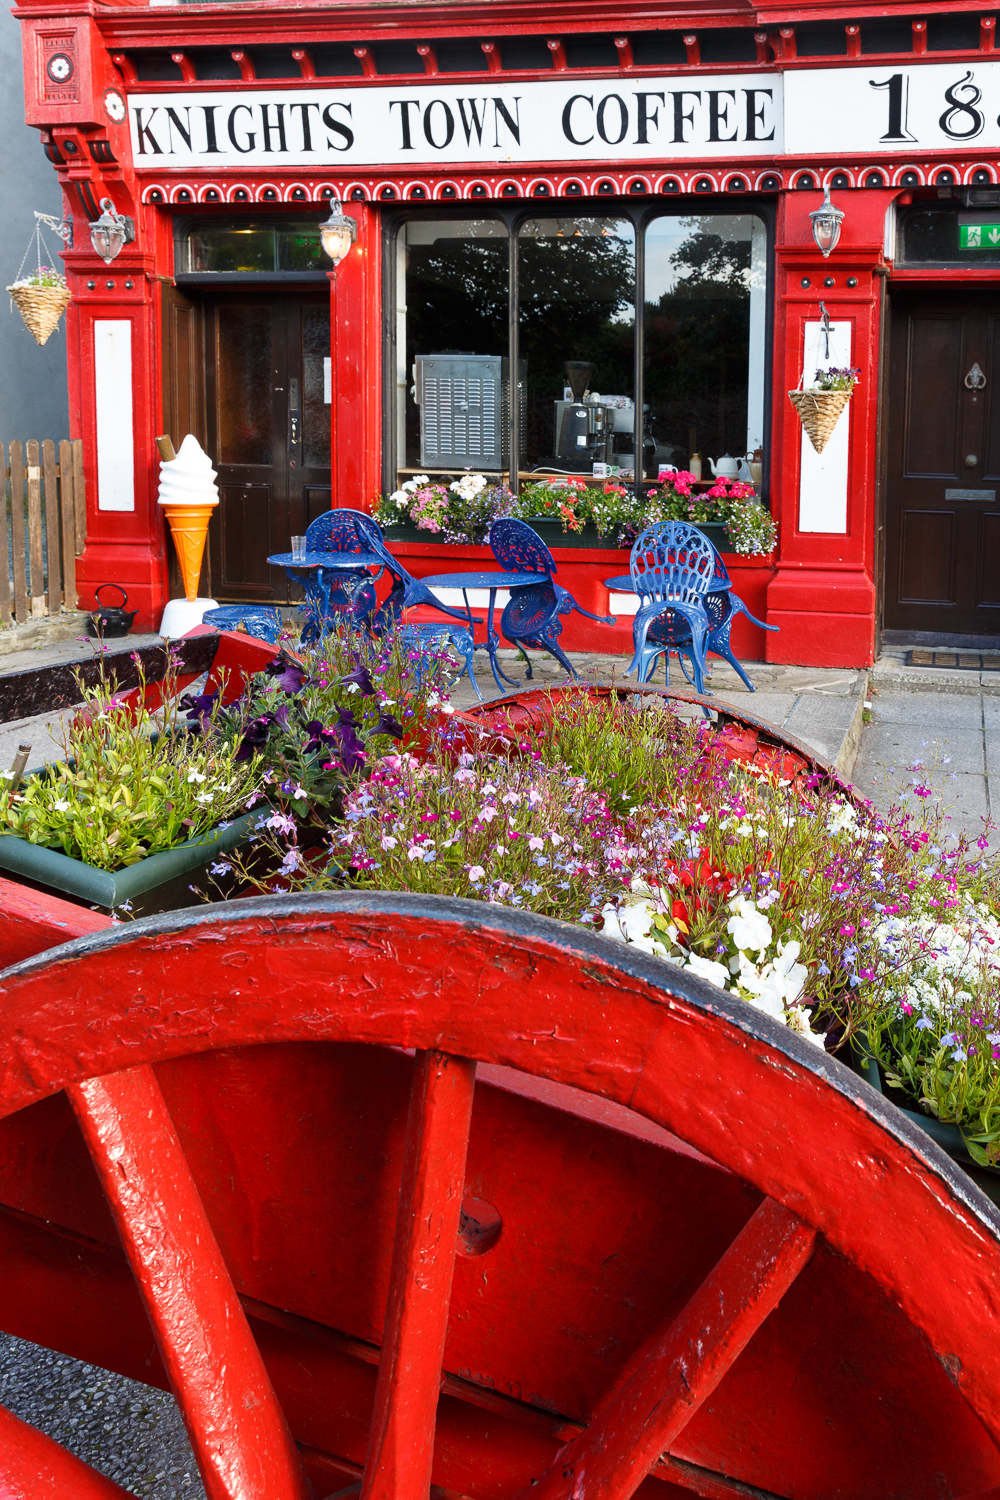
(188, 495)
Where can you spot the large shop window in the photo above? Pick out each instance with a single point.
(657, 321)
(951, 234)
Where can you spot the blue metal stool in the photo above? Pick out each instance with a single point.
(260, 620)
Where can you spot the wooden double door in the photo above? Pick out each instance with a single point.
(943, 473)
(248, 371)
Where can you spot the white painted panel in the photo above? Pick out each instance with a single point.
(823, 479)
(478, 598)
(327, 380)
(623, 604)
(433, 120)
(113, 400)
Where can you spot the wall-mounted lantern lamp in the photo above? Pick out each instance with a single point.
(826, 224)
(111, 232)
(337, 233)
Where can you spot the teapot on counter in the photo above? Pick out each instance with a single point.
(724, 468)
(110, 620)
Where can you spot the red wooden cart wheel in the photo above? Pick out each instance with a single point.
(364, 1260)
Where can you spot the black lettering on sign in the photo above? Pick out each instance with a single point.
(474, 121)
(898, 89)
(647, 117)
(680, 117)
(278, 128)
(965, 106)
(251, 138)
(755, 114)
(145, 134)
(404, 106)
(338, 127)
(718, 114)
(622, 119)
(212, 147)
(307, 143)
(567, 119)
(184, 132)
(448, 122)
(512, 121)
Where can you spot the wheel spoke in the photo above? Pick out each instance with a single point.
(32, 1464)
(680, 1366)
(401, 1444)
(236, 1426)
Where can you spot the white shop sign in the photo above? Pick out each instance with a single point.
(654, 119)
(664, 120)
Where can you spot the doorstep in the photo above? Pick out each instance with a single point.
(892, 672)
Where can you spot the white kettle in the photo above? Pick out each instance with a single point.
(725, 468)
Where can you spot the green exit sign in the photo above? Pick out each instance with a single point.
(979, 236)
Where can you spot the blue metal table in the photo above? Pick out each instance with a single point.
(348, 571)
(493, 582)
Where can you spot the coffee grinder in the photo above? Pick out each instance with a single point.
(580, 426)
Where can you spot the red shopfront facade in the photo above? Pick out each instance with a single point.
(531, 191)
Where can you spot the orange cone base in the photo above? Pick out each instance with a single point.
(189, 529)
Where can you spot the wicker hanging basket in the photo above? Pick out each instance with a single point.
(41, 307)
(819, 413)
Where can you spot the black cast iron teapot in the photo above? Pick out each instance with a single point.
(110, 619)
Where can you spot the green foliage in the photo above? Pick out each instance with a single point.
(133, 784)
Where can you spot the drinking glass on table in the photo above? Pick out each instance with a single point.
(298, 548)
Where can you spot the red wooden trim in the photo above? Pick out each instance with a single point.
(853, 40)
(493, 59)
(787, 35)
(237, 1428)
(125, 66)
(987, 33)
(186, 66)
(367, 61)
(919, 29)
(401, 1443)
(677, 1370)
(32, 921)
(31, 1464)
(304, 59)
(624, 47)
(693, 50)
(763, 48)
(426, 51)
(248, 72)
(558, 55)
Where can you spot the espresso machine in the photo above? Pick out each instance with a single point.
(581, 429)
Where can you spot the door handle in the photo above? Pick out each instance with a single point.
(971, 460)
(975, 380)
(293, 432)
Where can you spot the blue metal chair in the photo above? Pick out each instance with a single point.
(531, 616)
(407, 593)
(260, 620)
(672, 566)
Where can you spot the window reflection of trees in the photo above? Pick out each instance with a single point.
(696, 347)
(577, 301)
(456, 298)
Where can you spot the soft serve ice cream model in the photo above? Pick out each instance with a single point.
(188, 495)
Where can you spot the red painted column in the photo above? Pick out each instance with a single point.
(356, 351)
(823, 595)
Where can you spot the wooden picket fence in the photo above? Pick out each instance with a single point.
(43, 528)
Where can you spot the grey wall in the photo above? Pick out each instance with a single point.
(33, 401)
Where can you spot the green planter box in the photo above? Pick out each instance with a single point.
(160, 882)
(948, 1137)
(717, 533)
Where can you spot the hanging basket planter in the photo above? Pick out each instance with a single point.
(819, 413)
(41, 307)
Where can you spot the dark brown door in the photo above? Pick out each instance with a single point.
(267, 383)
(943, 497)
(184, 398)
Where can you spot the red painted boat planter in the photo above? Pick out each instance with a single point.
(582, 571)
(666, 1303)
